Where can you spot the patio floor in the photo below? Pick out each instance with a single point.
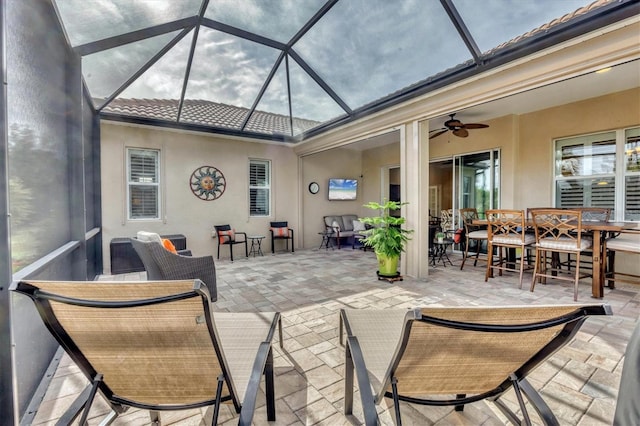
(580, 382)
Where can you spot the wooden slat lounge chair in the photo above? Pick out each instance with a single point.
(156, 345)
(454, 356)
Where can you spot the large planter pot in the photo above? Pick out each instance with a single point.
(387, 265)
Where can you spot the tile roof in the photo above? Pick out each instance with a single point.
(207, 113)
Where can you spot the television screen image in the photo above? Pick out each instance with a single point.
(343, 189)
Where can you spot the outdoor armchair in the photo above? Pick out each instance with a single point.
(161, 264)
(454, 356)
(228, 236)
(281, 231)
(156, 345)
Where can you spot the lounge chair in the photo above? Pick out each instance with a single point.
(454, 356)
(156, 345)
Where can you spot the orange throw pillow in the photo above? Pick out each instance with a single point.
(226, 236)
(169, 246)
(280, 232)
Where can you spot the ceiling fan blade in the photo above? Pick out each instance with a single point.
(437, 133)
(462, 132)
(475, 126)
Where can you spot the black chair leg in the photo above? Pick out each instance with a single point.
(218, 248)
(231, 251)
(246, 250)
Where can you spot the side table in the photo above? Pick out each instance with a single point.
(439, 253)
(256, 245)
(326, 239)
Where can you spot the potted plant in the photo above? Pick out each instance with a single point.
(386, 236)
(440, 237)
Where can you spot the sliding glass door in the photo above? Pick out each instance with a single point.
(476, 181)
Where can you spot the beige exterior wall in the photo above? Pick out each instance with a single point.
(534, 176)
(184, 213)
(340, 163)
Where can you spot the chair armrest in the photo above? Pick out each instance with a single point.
(366, 395)
(241, 233)
(185, 252)
(263, 358)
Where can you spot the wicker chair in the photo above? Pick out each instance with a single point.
(507, 232)
(161, 264)
(426, 356)
(158, 346)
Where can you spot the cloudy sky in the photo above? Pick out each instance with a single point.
(363, 49)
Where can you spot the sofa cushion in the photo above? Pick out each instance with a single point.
(348, 219)
(358, 226)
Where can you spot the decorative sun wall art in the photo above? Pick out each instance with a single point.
(207, 183)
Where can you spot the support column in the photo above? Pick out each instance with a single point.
(414, 184)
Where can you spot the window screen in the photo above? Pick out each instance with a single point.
(259, 188)
(143, 171)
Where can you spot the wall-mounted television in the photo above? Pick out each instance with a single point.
(343, 189)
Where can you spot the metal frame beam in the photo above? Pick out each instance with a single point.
(7, 403)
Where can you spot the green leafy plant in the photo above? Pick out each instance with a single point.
(386, 236)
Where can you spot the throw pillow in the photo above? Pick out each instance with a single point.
(227, 236)
(358, 226)
(280, 232)
(149, 237)
(336, 226)
(169, 245)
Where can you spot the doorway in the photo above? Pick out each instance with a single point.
(466, 180)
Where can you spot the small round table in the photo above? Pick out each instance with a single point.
(439, 252)
(256, 245)
(326, 239)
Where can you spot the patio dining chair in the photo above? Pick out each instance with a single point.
(507, 233)
(558, 231)
(473, 233)
(454, 356)
(625, 242)
(156, 345)
(589, 214)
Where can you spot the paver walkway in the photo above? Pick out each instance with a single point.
(309, 287)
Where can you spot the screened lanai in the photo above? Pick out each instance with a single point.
(284, 74)
(289, 70)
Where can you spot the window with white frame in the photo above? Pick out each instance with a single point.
(259, 188)
(632, 174)
(586, 172)
(143, 183)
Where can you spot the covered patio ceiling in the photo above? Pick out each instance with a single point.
(287, 70)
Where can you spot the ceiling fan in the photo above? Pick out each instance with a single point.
(457, 127)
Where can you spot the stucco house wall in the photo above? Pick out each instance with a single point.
(534, 177)
(183, 212)
(336, 163)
